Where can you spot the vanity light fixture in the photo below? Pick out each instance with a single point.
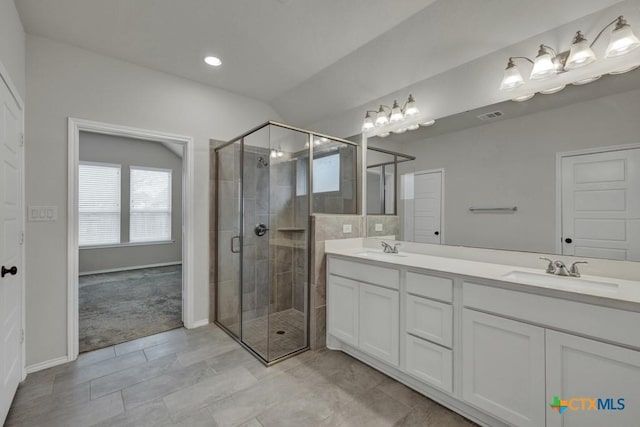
(213, 61)
(549, 62)
(395, 114)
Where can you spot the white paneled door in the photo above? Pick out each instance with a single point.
(428, 207)
(10, 248)
(601, 205)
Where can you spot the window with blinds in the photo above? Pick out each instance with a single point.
(150, 219)
(99, 204)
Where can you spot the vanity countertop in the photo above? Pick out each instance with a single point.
(587, 285)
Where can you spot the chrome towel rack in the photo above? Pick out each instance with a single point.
(506, 209)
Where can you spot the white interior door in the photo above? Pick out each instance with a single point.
(601, 205)
(428, 207)
(10, 248)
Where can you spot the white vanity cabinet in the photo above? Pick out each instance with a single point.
(504, 368)
(365, 314)
(496, 352)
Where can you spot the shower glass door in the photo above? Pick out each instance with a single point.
(229, 204)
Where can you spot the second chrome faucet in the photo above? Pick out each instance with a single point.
(560, 269)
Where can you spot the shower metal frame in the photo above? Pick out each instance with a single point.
(307, 301)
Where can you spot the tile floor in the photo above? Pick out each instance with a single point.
(202, 377)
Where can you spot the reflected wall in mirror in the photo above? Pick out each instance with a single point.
(556, 174)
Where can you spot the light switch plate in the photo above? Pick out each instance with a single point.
(378, 227)
(346, 228)
(42, 213)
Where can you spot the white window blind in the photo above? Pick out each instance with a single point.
(150, 219)
(99, 204)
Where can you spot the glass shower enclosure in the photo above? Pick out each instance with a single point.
(264, 196)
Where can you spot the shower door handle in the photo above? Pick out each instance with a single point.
(261, 230)
(233, 250)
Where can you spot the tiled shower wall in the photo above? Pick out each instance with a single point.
(325, 227)
(390, 225)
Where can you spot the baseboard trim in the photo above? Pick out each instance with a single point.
(199, 323)
(47, 364)
(137, 267)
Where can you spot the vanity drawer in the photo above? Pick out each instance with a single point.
(431, 320)
(382, 276)
(429, 363)
(609, 324)
(428, 286)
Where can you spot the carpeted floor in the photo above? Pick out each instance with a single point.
(122, 306)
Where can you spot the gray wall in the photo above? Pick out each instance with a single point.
(133, 152)
(513, 163)
(12, 44)
(65, 81)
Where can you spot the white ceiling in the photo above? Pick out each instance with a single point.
(309, 59)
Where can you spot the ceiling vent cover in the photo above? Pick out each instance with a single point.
(491, 116)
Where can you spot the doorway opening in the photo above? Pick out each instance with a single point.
(129, 218)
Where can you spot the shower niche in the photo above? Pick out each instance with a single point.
(267, 184)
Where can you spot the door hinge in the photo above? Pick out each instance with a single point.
(21, 140)
(21, 336)
(21, 238)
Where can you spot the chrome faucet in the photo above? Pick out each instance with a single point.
(388, 249)
(560, 269)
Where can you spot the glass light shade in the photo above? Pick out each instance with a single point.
(553, 90)
(413, 126)
(396, 113)
(381, 118)
(523, 97)
(622, 41)
(411, 109)
(586, 81)
(428, 123)
(367, 124)
(512, 78)
(274, 154)
(580, 54)
(543, 67)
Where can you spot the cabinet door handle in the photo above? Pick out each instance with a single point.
(12, 271)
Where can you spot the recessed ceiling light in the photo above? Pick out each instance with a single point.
(213, 61)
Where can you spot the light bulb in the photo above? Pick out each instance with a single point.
(622, 40)
(523, 97)
(381, 118)
(543, 65)
(585, 81)
(580, 53)
(553, 90)
(411, 109)
(273, 154)
(396, 113)
(280, 153)
(367, 124)
(512, 77)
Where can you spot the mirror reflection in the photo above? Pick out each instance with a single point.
(555, 174)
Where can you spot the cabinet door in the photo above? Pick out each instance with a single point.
(342, 309)
(380, 323)
(429, 363)
(582, 368)
(503, 368)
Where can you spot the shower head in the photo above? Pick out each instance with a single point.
(262, 162)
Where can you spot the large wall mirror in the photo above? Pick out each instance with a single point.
(555, 174)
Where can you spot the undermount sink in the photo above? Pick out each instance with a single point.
(379, 254)
(561, 282)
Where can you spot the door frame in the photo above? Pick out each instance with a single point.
(561, 155)
(13, 90)
(442, 226)
(188, 218)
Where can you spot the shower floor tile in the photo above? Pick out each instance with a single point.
(291, 325)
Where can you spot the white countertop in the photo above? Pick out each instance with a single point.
(595, 286)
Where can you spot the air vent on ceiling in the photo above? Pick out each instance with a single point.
(490, 116)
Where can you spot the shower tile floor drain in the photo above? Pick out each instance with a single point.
(280, 332)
